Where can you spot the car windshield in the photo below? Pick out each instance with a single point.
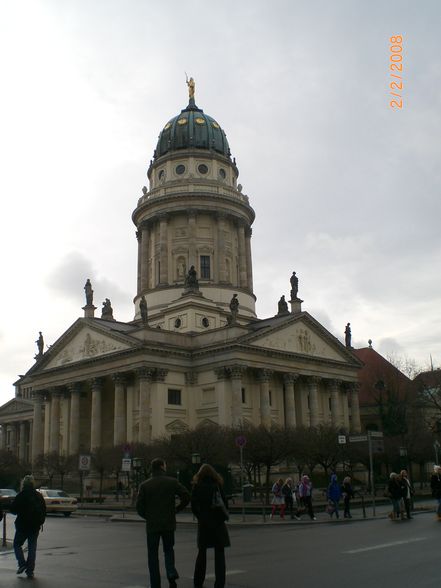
(56, 494)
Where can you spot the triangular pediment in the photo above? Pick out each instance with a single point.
(15, 406)
(86, 343)
(302, 337)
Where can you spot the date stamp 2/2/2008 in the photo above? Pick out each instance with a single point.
(396, 70)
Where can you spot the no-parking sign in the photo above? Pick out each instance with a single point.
(85, 461)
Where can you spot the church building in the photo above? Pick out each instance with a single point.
(195, 351)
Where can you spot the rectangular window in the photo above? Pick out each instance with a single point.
(174, 396)
(270, 397)
(244, 397)
(205, 267)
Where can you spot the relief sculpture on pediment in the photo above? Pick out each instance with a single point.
(305, 344)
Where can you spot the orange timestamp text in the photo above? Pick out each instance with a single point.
(396, 70)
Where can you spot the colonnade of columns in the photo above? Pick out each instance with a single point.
(15, 437)
(150, 240)
(307, 400)
(132, 407)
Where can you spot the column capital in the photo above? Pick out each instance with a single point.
(313, 381)
(191, 378)
(290, 378)
(97, 383)
(160, 375)
(264, 375)
(352, 387)
(74, 387)
(221, 373)
(236, 371)
(38, 396)
(145, 373)
(119, 378)
(333, 383)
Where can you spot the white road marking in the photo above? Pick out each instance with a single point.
(228, 573)
(384, 545)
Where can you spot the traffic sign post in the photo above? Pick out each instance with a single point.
(241, 441)
(84, 466)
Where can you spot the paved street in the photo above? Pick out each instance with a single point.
(93, 551)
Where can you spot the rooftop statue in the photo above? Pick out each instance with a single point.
(107, 310)
(294, 285)
(348, 335)
(283, 305)
(89, 293)
(191, 87)
(191, 281)
(40, 344)
(143, 309)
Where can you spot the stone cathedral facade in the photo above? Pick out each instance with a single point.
(195, 352)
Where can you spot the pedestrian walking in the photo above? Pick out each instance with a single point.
(305, 495)
(278, 499)
(30, 508)
(289, 496)
(209, 505)
(435, 484)
(395, 493)
(333, 495)
(408, 492)
(348, 494)
(156, 504)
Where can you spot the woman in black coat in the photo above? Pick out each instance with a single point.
(212, 531)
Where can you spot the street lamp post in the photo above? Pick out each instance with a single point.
(195, 460)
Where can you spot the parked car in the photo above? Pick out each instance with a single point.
(7, 495)
(58, 501)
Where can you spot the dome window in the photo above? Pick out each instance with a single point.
(161, 175)
(182, 121)
(222, 173)
(178, 323)
(205, 322)
(167, 126)
(180, 169)
(199, 121)
(215, 125)
(202, 169)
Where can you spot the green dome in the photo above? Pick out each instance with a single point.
(192, 129)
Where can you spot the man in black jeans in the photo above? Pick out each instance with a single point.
(156, 504)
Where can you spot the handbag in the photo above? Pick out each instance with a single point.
(218, 507)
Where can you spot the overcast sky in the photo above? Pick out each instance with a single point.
(346, 189)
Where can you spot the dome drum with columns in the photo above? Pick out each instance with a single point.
(195, 352)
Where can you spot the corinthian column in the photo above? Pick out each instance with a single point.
(37, 427)
(221, 262)
(95, 415)
(334, 386)
(355, 408)
(55, 422)
(242, 256)
(22, 442)
(265, 408)
(249, 260)
(313, 383)
(236, 372)
(163, 249)
(290, 401)
(145, 383)
(74, 423)
(119, 418)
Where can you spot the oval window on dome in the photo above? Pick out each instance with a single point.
(180, 169)
(215, 125)
(202, 169)
(222, 173)
(182, 121)
(167, 126)
(199, 120)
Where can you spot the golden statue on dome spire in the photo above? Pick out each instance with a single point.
(191, 86)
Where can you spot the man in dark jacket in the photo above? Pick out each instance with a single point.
(156, 504)
(30, 508)
(435, 484)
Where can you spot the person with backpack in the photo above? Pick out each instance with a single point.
(30, 508)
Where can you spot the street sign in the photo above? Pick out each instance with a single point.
(357, 438)
(240, 441)
(376, 433)
(342, 439)
(126, 465)
(84, 463)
